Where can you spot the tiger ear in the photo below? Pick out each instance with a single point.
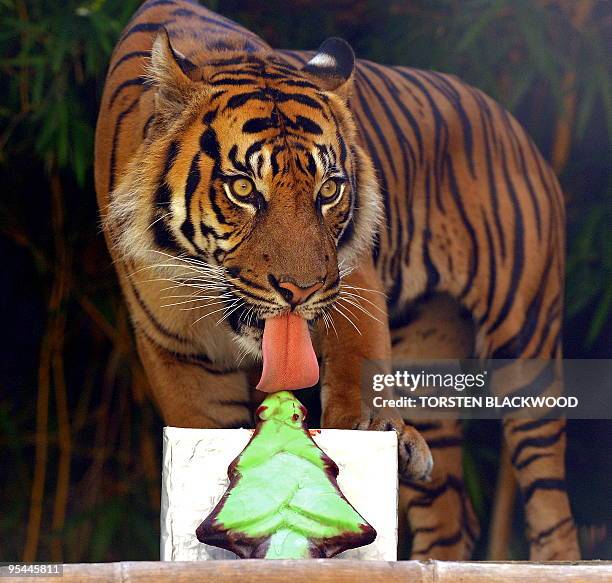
(333, 66)
(169, 73)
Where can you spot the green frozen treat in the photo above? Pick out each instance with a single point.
(283, 501)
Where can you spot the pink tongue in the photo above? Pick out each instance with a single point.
(289, 360)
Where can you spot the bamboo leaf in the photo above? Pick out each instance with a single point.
(602, 314)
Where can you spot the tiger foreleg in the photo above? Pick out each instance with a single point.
(191, 393)
(438, 516)
(360, 333)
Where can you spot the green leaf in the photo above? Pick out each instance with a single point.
(602, 314)
(475, 31)
(473, 483)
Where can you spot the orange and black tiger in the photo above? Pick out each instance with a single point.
(402, 209)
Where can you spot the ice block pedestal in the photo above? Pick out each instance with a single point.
(194, 478)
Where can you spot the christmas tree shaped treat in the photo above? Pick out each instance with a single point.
(283, 501)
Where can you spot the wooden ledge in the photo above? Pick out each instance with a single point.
(330, 571)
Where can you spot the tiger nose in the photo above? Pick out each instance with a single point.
(295, 294)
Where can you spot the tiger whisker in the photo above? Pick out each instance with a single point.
(360, 297)
(331, 321)
(211, 288)
(242, 354)
(201, 296)
(197, 300)
(252, 315)
(191, 268)
(360, 307)
(161, 217)
(230, 312)
(324, 316)
(200, 307)
(211, 313)
(245, 314)
(337, 308)
(374, 291)
(185, 278)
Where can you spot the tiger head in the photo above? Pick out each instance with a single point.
(250, 169)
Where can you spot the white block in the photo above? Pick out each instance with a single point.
(194, 478)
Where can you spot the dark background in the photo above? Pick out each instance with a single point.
(79, 439)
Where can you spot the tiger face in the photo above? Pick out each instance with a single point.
(251, 168)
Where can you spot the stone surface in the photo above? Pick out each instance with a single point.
(194, 478)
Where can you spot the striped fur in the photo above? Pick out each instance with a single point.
(449, 229)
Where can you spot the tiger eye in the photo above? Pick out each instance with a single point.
(329, 188)
(242, 187)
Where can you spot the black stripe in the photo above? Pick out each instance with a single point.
(491, 254)
(234, 82)
(474, 251)
(116, 133)
(260, 124)
(163, 198)
(444, 442)
(142, 27)
(384, 190)
(543, 484)
(241, 99)
(128, 57)
(440, 127)
(393, 91)
(138, 81)
(448, 541)
(151, 4)
(433, 275)
(517, 345)
(233, 157)
(492, 185)
(530, 425)
(518, 254)
(303, 124)
(539, 442)
(160, 328)
(294, 82)
(374, 123)
(532, 458)
(525, 174)
(251, 283)
(409, 164)
(546, 533)
(431, 493)
(193, 181)
(454, 98)
(552, 315)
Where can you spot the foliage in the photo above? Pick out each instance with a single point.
(74, 396)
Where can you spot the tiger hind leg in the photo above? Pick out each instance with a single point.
(537, 450)
(536, 445)
(437, 516)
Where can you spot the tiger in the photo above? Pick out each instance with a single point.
(254, 198)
